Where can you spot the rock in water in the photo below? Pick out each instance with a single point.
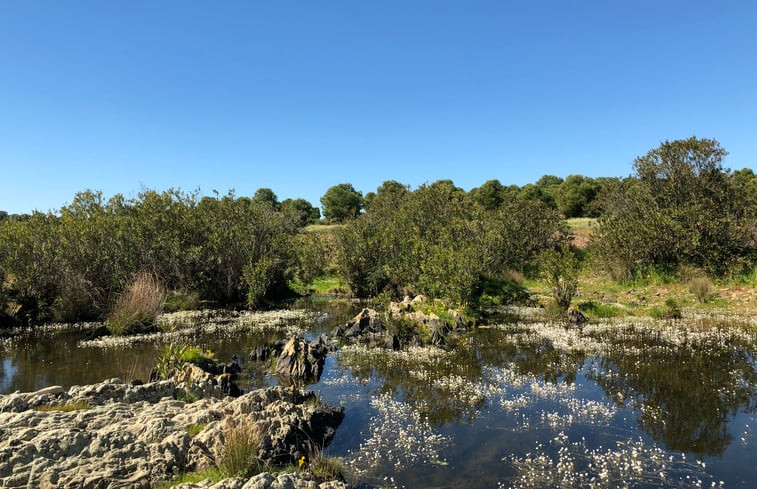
(301, 362)
(576, 317)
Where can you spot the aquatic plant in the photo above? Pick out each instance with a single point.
(630, 463)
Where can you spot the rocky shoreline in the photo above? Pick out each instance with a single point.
(121, 435)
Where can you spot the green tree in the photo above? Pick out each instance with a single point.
(266, 196)
(490, 195)
(301, 211)
(341, 202)
(574, 195)
(682, 207)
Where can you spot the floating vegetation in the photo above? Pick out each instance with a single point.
(628, 464)
(400, 437)
(178, 326)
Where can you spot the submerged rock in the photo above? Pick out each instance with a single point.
(118, 435)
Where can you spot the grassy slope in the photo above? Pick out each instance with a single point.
(640, 297)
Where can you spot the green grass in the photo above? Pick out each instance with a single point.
(197, 356)
(582, 223)
(240, 450)
(181, 301)
(67, 407)
(598, 310)
(322, 228)
(327, 284)
(215, 474)
(326, 468)
(195, 429)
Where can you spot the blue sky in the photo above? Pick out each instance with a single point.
(298, 96)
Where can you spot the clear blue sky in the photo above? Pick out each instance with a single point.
(299, 96)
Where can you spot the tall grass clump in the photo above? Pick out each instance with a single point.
(322, 467)
(240, 450)
(702, 289)
(138, 307)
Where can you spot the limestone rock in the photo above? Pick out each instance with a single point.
(134, 436)
(301, 361)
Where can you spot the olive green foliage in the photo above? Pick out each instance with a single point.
(574, 195)
(75, 263)
(138, 307)
(177, 300)
(314, 253)
(301, 211)
(437, 241)
(560, 269)
(266, 196)
(490, 195)
(197, 356)
(215, 474)
(170, 359)
(341, 202)
(386, 189)
(195, 429)
(324, 468)
(671, 310)
(682, 208)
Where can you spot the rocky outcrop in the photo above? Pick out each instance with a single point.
(206, 378)
(406, 324)
(300, 361)
(367, 328)
(122, 435)
(266, 481)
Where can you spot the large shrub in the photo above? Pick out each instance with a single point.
(682, 207)
(438, 241)
(73, 264)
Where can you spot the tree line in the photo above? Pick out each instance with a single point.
(681, 207)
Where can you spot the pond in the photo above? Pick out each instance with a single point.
(632, 403)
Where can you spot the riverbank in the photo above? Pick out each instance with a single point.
(113, 434)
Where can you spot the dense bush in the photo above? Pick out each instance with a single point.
(75, 263)
(438, 241)
(682, 207)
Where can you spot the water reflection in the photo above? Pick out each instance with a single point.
(684, 394)
(506, 402)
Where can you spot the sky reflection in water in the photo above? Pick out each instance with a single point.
(526, 405)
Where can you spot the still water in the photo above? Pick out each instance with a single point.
(525, 404)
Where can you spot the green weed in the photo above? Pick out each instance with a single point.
(67, 407)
